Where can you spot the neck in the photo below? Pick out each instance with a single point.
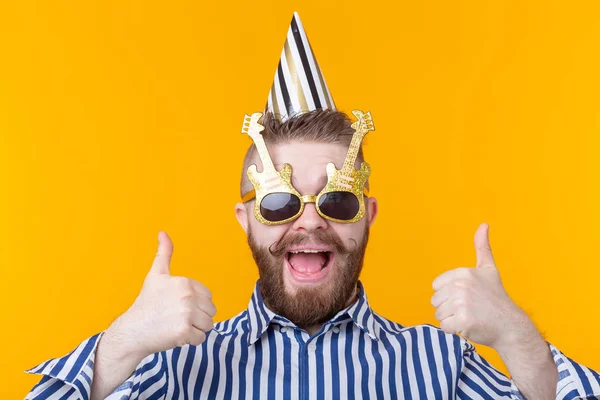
(312, 330)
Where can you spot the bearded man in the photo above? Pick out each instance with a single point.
(309, 332)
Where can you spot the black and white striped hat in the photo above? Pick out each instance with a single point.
(299, 85)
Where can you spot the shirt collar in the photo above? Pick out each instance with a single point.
(362, 314)
(259, 316)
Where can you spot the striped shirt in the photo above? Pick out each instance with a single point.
(261, 355)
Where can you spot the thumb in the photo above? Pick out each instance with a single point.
(485, 259)
(163, 255)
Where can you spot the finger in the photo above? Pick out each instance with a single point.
(441, 296)
(194, 315)
(449, 325)
(444, 311)
(196, 337)
(449, 276)
(163, 255)
(201, 320)
(207, 306)
(200, 288)
(485, 259)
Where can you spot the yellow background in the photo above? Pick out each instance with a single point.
(121, 118)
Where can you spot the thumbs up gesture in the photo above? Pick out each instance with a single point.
(170, 310)
(472, 302)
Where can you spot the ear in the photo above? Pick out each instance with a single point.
(242, 216)
(372, 209)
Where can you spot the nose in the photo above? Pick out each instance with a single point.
(310, 219)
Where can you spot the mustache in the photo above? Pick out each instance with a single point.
(279, 248)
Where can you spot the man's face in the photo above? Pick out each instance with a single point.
(308, 267)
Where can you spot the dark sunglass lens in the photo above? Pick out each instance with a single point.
(277, 207)
(339, 205)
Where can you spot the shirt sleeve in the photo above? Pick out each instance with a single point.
(479, 379)
(574, 380)
(70, 377)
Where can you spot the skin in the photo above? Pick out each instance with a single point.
(308, 177)
(172, 311)
(473, 303)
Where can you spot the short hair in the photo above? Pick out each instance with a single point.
(321, 126)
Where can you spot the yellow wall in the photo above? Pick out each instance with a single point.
(118, 119)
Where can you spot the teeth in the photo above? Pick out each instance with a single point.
(308, 251)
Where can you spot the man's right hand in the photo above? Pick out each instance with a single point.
(170, 311)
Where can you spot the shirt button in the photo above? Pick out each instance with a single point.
(283, 329)
(312, 347)
(336, 329)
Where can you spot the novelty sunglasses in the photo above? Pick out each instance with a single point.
(278, 202)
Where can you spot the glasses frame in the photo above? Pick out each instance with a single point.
(269, 180)
(304, 199)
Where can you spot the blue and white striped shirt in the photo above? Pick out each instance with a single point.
(358, 354)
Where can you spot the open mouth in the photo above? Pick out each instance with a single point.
(308, 264)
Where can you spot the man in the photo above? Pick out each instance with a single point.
(308, 332)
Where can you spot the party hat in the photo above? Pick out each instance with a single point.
(299, 85)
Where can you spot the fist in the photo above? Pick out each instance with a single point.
(170, 311)
(472, 302)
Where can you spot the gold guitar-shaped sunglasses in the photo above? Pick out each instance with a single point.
(278, 202)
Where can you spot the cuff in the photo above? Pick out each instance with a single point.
(73, 374)
(74, 370)
(574, 380)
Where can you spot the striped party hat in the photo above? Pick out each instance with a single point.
(299, 85)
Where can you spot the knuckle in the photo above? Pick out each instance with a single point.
(470, 274)
(207, 324)
(183, 286)
(206, 292)
(463, 296)
(462, 319)
(460, 301)
(186, 308)
(187, 297)
(182, 331)
(181, 280)
(200, 288)
(461, 271)
(463, 283)
(459, 283)
(187, 316)
(185, 283)
(176, 281)
(467, 297)
(446, 327)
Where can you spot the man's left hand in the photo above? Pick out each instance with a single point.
(472, 302)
